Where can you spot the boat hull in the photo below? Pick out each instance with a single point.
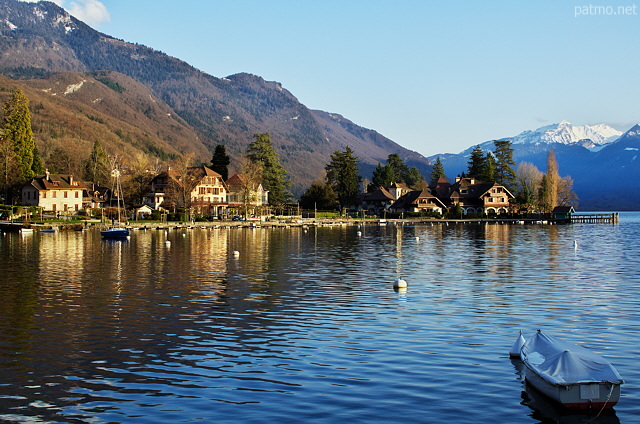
(588, 395)
(115, 233)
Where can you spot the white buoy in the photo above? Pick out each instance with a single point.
(235, 254)
(399, 283)
(359, 233)
(184, 235)
(514, 352)
(417, 238)
(167, 243)
(575, 244)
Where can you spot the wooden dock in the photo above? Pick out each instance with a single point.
(596, 218)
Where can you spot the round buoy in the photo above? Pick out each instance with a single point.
(167, 243)
(235, 253)
(417, 238)
(399, 283)
(359, 233)
(184, 235)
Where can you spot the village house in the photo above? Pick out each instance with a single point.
(376, 202)
(474, 197)
(419, 201)
(242, 194)
(199, 188)
(54, 193)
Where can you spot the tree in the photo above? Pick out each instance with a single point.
(96, 169)
(220, 161)
(489, 172)
(528, 180)
(274, 176)
(566, 195)
(382, 176)
(550, 199)
(9, 167)
(437, 172)
(319, 196)
(505, 174)
(342, 176)
(402, 172)
(477, 163)
(17, 131)
(251, 176)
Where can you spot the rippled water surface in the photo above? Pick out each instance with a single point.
(305, 326)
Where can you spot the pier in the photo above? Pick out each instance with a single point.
(596, 218)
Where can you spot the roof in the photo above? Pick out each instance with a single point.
(379, 195)
(57, 182)
(413, 197)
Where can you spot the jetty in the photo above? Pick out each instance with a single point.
(605, 218)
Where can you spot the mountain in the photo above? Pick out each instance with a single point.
(40, 39)
(601, 160)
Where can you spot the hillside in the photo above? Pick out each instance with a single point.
(39, 38)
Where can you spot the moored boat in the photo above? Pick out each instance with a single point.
(570, 374)
(115, 233)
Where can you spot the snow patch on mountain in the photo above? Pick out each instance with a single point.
(589, 136)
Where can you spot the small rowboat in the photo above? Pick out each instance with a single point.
(570, 374)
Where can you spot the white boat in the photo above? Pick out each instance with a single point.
(570, 374)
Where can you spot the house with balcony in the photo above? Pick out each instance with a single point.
(198, 188)
(246, 196)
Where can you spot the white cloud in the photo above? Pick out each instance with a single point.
(91, 12)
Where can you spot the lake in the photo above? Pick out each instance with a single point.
(305, 326)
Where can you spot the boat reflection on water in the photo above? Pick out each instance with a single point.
(546, 411)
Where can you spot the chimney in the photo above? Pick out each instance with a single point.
(47, 174)
(70, 180)
(458, 178)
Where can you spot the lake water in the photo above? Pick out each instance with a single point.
(305, 326)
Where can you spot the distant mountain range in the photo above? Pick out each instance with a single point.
(38, 39)
(602, 161)
(150, 107)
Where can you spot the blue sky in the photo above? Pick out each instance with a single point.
(435, 77)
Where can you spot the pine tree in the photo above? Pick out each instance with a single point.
(382, 176)
(17, 130)
(342, 175)
(505, 172)
(97, 168)
(274, 176)
(437, 172)
(220, 161)
(477, 163)
(489, 171)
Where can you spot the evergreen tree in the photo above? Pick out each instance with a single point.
(274, 176)
(97, 168)
(437, 172)
(17, 130)
(37, 166)
(505, 173)
(382, 176)
(477, 163)
(489, 171)
(220, 161)
(402, 173)
(342, 176)
(319, 196)
(413, 178)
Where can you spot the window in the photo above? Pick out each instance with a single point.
(65, 194)
(77, 194)
(44, 194)
(55, 194)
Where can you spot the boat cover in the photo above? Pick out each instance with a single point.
(562, 363)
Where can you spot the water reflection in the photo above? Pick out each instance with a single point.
(136, 330)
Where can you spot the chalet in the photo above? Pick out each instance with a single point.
(54, 193)
(198, 187)
(376, 202)
(242, 193)
(474, 197)
(418, 201)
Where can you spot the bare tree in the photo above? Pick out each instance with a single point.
(566, 195)
(249, 183)
(528, 180)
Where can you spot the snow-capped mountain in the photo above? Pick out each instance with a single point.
(589, 136)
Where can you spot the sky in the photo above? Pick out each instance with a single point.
(433, 76)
